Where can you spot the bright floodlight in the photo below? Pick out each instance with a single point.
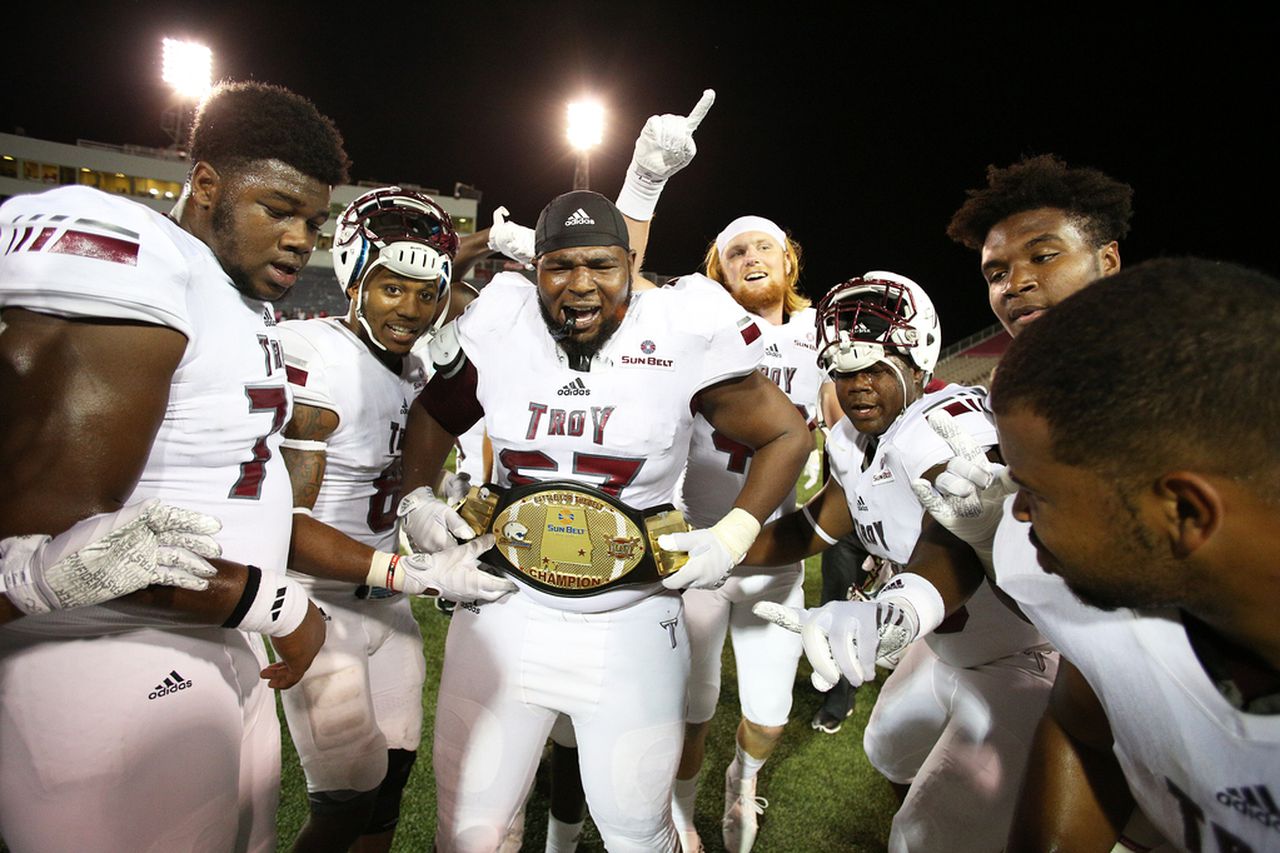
(188, 68)
(586, 124)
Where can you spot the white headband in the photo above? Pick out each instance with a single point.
(749, 223)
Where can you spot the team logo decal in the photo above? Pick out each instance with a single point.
(647, 357)
(516, 535)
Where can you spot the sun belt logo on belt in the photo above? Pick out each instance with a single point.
(579, 217)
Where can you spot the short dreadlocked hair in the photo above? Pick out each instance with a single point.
(239, 123)
(1100, 205)
(1167, 364)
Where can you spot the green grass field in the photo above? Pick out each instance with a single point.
(823, 795)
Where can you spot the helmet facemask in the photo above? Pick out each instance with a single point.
(866, 320)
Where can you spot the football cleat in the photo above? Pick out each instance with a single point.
(742, 810)
(828, 723)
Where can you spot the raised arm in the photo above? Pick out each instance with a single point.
(664, 147)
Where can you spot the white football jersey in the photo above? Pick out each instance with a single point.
(330, 367)
(77, 252)
(888, 517)
(718, 465)
(1204, 772)
(624, 425)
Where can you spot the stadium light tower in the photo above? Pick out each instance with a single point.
(188, 69)
(586, 129)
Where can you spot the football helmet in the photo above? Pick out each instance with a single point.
(402, 230)
(864, 320)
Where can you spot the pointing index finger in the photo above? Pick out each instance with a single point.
(701, 109)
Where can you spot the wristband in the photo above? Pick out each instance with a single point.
(382, 570)
(736, 531)
(639, 196)
(270, 604)
(822, 534)
(918, 594)
(304, 444)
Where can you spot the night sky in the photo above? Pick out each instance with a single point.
(856, 126)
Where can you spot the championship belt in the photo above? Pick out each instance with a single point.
(570, 539)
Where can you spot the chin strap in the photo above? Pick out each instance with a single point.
(902, 383)
(360, 318)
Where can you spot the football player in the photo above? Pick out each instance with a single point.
(356, 717)
(1045, 231)
(141, 359)
(759, 265)
(595, 385)
(664, 147)
(953, 721)
(1143, 542)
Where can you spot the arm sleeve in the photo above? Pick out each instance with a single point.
(76, 252)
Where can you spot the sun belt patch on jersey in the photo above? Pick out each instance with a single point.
(570, 539)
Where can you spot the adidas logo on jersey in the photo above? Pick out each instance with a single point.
(579, 217)
(862, 505)
(268, 317)
(1254, 801)
(172, 684)
(772, 349)
(576, 388)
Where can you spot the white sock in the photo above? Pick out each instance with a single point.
(744, 766)
(562, 837)
(683, 797)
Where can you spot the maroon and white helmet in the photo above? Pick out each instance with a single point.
(865, 319)
(402, 230)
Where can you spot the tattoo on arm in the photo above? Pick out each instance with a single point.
(306, 467)
(306, 473)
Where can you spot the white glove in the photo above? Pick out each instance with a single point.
(429, 523)
(840, 638)
(713, 552)
(514, 241)
(664, 147)
(110, 555)
(452, 573)
(455, 487)
(968, 497)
